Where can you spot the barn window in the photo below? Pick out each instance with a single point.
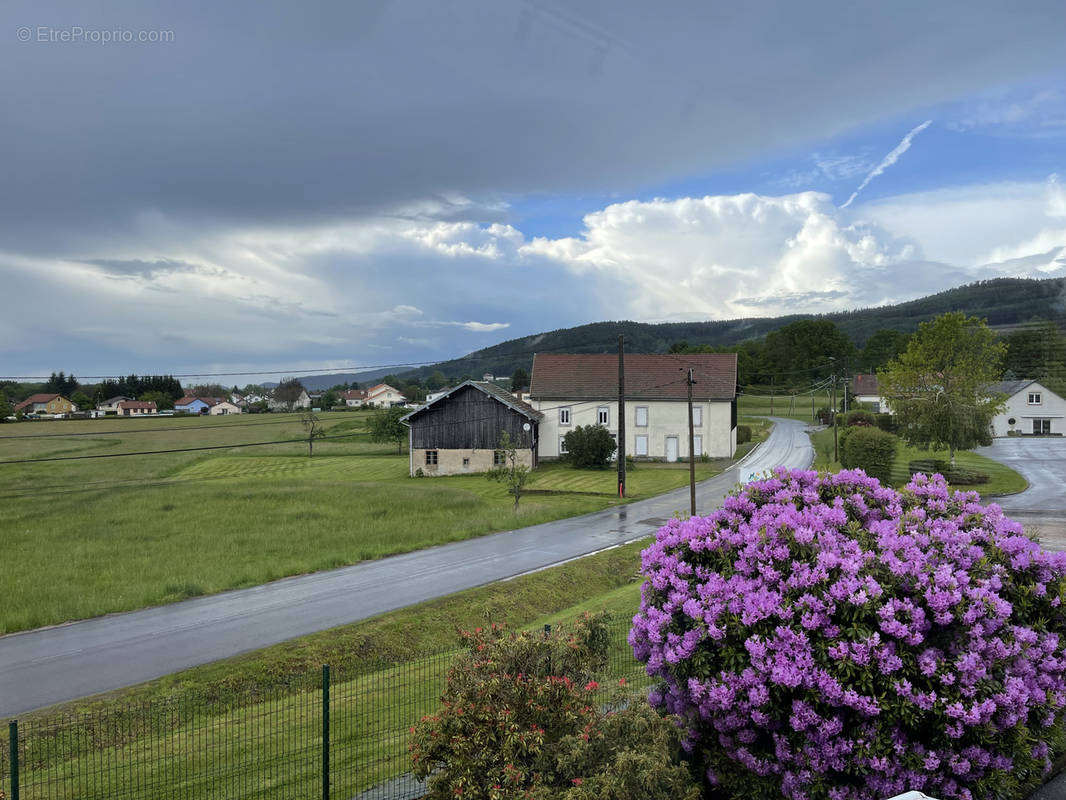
(431, 458)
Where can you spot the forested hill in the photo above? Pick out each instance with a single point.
(1004, 302)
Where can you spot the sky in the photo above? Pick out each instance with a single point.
(254, 189)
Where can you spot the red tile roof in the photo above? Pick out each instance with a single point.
(647, 377)
(36, 398)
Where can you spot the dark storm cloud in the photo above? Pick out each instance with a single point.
(314, 111)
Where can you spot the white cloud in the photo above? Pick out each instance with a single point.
(1041, 111)
(889, 160)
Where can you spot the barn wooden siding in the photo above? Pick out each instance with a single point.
(468, 419)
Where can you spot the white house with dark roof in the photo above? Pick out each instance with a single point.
(866, 393)
(571, 390)
(1032, 410)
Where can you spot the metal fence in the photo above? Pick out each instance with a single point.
(328, 735)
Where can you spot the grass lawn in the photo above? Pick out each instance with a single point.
(788, 406)
(251, 726)
(86, 537)
(1002, 479)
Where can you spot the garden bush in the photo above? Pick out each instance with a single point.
(886, 422)
(589, 446)
(860, 417)
(871, 450)
(822, 636)
(743, 434)
(521, 717)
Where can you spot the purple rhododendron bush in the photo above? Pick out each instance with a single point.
(823, 636)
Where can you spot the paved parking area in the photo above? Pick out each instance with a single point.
(1041, 507)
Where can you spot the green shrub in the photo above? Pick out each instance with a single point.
(589, 446)
(521, 717)
(743, 434)
(859, 417)
(886, 422)
(871, 450)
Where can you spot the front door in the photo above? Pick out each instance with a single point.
(671, 448)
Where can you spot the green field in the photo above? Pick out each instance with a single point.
(85, 537)
(784, 405)
(1002, 479)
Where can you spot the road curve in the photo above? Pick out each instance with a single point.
(53, 665)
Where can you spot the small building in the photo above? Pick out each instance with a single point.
(354, 398)
(192, 405)
(1031, 410)
(137, 408)
(302, 400)
(223, 407)
(384, 396)
(431, 396)
(46, 404)
(572, 390)
(866, 394)
(111, 404)
(460, 431)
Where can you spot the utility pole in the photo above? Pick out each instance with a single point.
(833, 412)
(621, 417)
(691, 450)
(771, 395)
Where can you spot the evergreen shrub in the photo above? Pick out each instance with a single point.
(871, 450)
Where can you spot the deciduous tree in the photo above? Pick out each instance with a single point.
(939, 387)
(385, 426)
(510, 472)
(589, 446)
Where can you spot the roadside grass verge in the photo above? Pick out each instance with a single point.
(1002, 479)
(197, 731)
(784, 405)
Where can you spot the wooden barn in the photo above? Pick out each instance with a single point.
(459, 431)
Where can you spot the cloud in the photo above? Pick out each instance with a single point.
(1041, 112)
(889, 160)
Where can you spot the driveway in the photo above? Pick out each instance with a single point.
(53, 665)
(1042, 461)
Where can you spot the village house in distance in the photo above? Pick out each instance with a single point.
(571, 390)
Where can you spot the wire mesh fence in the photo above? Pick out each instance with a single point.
(331, 735)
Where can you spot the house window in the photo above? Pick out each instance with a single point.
(1041, 426)
(697, 416)
(431, 458)
(562, 446)
(642, 417)
(498, 458)
(642, 445)
(1034, 398)
(564, 415)
(697, 445)
(603, 415)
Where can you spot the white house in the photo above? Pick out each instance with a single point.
(223, 407)
(865, 393)
(112, 403)
(1032, 409)
(431, 396)
(572, 390)
(384, 396)
(303, 400)
(136, 408)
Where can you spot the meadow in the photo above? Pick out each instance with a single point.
(89, 536)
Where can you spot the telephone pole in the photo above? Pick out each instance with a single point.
(691, 450)
(833, 411)
(621, 418)
(771, 395)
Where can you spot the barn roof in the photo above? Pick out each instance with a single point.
(647, 376)
(493, 391)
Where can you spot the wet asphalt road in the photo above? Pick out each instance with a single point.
(53, 665)
(1042, 507)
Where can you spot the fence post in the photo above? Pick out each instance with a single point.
(13, 736)
(325, 732)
